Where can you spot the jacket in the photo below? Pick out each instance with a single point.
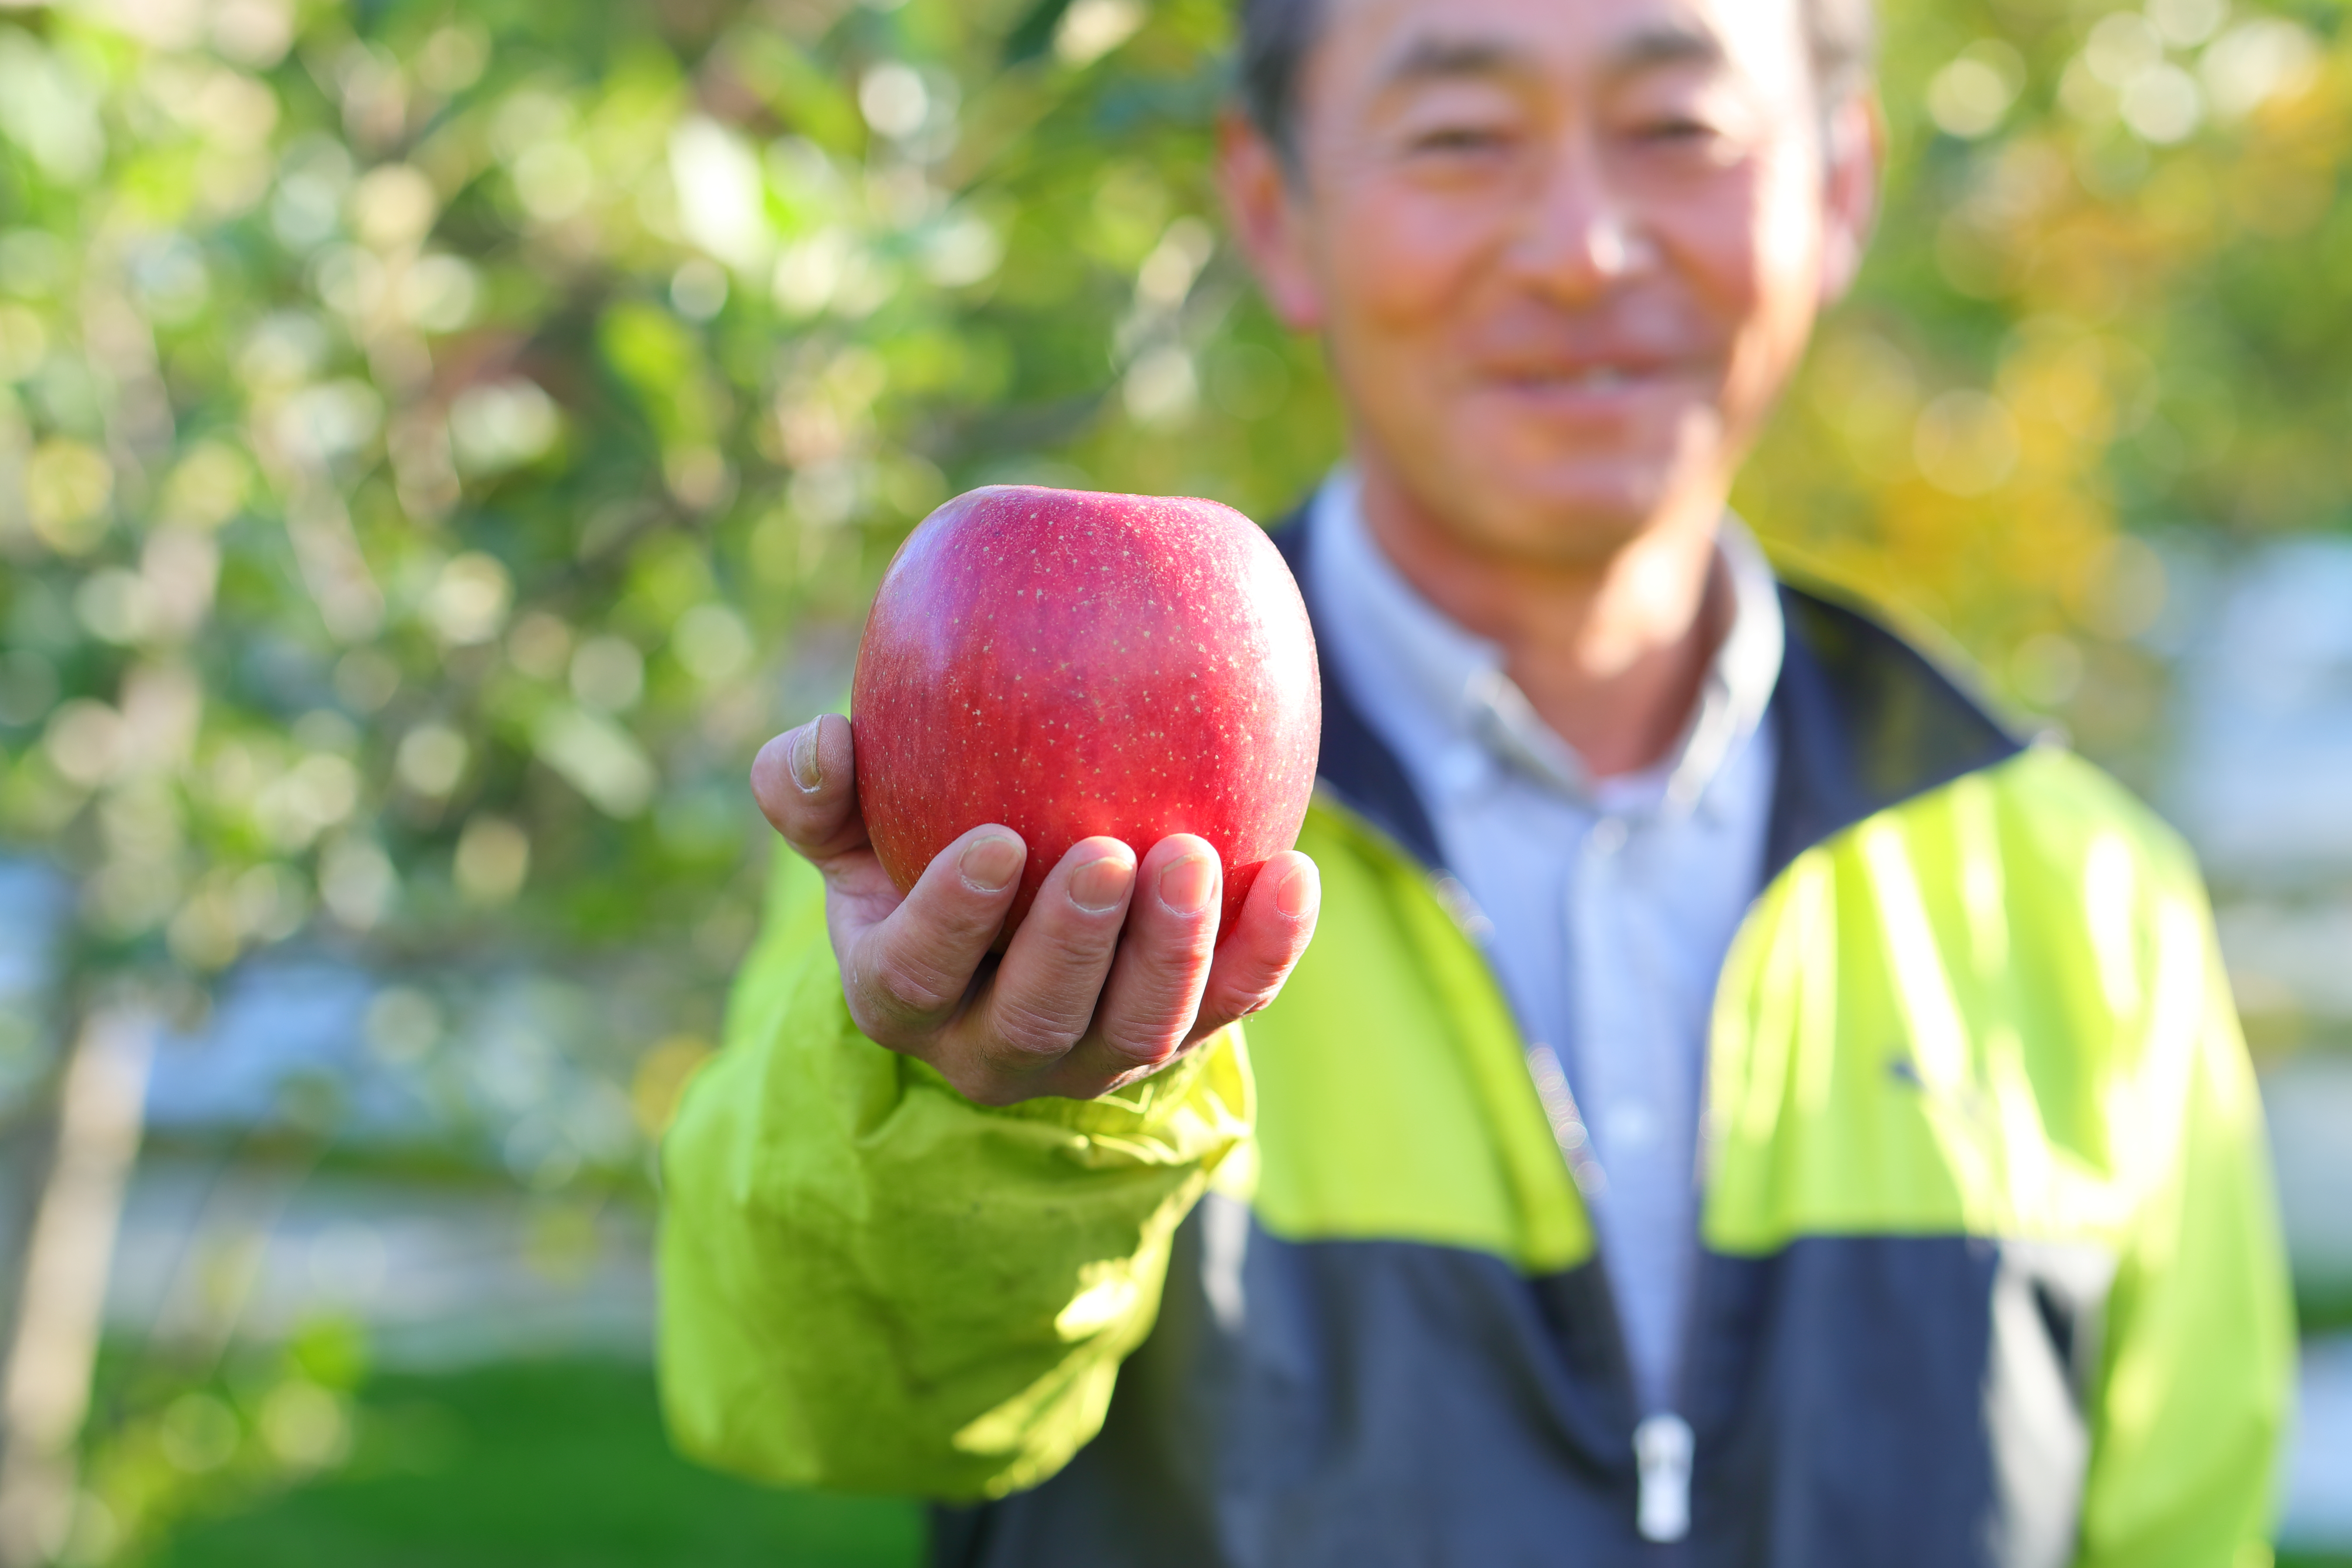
(1989, 1270)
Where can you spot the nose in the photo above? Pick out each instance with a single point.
(1579, 238)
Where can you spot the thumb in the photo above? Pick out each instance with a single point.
(805, 781)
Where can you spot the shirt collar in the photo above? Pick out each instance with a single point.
(1444, 682)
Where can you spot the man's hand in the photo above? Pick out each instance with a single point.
(1114, 974)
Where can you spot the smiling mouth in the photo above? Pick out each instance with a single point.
(1599, 378)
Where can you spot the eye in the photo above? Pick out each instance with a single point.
(1688, 141)
(1456, 140)
(1690, 120)
(1677, 129)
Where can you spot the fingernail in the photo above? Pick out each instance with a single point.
(1185, 886)
(1098, 886)
(807, 772)
(1295, 894)
(989, 865)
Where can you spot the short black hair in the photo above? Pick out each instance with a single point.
(1843, 36)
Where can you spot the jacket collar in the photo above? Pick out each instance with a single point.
(1865, 722)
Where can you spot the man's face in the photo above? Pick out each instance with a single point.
(1563, 253)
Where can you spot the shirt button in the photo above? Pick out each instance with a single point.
(1608, 836)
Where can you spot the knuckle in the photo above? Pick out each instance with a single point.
(1144, 1046)
(1173, 967)
(1032, 1031)
(883, 1026)
(1242, 1003)
(1065, 964)
(876, 1021)
(894, 991)
(945, 915)
(973, 924)
(916, 988)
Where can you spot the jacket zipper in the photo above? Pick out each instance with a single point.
(1664, 1443)
(1664, 1447)
(1662, 1450)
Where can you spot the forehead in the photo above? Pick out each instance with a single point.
(1365, 43)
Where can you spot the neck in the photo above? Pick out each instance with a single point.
(1610, 652)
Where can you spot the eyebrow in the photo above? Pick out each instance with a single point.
(1430, 58)
(1665, 44)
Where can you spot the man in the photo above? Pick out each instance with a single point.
(1741, 1107)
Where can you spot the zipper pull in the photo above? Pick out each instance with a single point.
(1662, 1447)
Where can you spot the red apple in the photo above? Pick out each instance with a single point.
(1070, 664)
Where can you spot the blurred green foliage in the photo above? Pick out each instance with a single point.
(438, 443)
(2107, 299)
(431, 433)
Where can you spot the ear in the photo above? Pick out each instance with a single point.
(1264, 201)
(1855, 152)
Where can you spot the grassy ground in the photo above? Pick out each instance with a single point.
(559, 1465)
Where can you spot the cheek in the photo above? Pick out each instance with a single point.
(1720, 242)
(1762, 264)
(1399, 262)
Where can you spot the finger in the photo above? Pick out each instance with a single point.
(805, 781)
(1269, 936)
(1154, 990)
(1043, 995)
(906, 974)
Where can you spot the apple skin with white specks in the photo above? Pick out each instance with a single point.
(1067, 664)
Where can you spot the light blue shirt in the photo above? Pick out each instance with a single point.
(1607, 906)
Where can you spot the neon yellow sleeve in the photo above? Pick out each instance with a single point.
(2199, 1355)
(868, 1282)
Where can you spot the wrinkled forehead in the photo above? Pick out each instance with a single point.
(1366, 45)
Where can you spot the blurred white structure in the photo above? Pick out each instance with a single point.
(215, 1251)
(2260, 776)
